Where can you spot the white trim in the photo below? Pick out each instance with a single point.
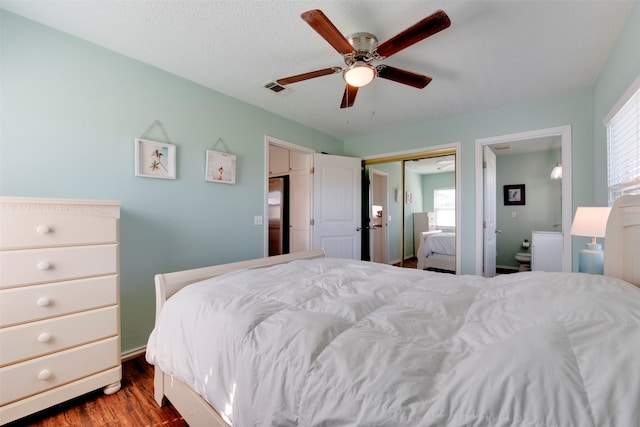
(631, 90)
(455, 145)
(133, 353)
(567, 207)
(282, 143)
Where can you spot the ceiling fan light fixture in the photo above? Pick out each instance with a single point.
(359, 74)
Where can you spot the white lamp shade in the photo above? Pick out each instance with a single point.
(359, 74)
(590, 221)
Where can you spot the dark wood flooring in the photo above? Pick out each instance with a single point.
(409, 263)
(133, 405)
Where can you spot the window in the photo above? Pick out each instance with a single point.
(444, 204)
(623, 144)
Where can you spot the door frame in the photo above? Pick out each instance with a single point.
(564, 132)
(431, 151)
(385, 234)
(270, 140)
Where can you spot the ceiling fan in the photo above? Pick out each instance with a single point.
(445, 164)
(361, 49)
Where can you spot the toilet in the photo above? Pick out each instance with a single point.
(524, 259)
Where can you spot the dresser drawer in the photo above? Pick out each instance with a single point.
(38, 302)
(44, 373)
(32, 266)
(35, 339)
(35, 226)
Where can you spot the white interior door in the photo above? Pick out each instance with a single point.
(378, 217)
(337, 205)
(489, 223)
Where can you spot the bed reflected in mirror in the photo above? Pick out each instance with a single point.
(407, 201)
(430, 212)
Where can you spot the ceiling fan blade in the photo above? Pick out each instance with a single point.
(309, 75)
(349, 96)
(430, 25)
(319, 22)
(403, 76)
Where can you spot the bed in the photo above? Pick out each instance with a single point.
(306, 340)
(437, 251)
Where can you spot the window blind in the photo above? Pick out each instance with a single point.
(623, 147)
(444, 204)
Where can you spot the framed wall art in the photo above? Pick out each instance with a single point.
(220, 167)
(155, 159)
(514, 195)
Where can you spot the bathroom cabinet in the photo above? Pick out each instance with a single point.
(546, 251)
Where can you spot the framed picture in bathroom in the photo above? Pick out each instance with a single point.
(514, 195)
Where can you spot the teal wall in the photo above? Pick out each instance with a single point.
(70, 113)
(542, 206)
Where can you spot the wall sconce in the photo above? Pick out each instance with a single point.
(398, 195)
(591, 222)
(556, 173)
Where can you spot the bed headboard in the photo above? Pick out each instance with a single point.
(622, 241)
(169, 283)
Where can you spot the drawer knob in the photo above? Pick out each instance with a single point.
(44, 337)
(43, 302)
(43, 229)
(45, 374)
(43, 265)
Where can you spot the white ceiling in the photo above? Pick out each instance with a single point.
(495, 53)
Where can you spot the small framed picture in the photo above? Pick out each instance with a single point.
(221, 167)
(155, 159)
(514, 195)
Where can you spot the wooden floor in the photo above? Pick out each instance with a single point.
(133, 405)
(409, 263)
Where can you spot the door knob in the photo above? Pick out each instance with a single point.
(359, 228)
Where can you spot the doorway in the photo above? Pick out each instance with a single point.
(379, 196)
(324, 199)
(485, 251)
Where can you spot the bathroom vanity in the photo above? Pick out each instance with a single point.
(546, 251)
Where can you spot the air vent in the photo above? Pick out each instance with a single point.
(275, 87)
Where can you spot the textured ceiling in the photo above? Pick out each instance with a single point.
(495, 53)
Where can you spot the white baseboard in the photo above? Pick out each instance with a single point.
(128, 355)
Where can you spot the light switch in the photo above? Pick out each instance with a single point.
(257, 220)
(513, 214)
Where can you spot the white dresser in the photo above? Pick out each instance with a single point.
(59, 302)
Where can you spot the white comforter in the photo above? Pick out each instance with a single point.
(439, 243)
(336, 342)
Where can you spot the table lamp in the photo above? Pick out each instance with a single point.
(591, 222)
